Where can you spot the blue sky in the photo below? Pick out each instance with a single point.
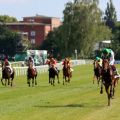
(53, 8)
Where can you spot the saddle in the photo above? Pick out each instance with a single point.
(33, 71)
(9, 69)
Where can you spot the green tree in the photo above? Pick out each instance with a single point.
(110, 15)
(8, 41)
(81, 25)
(6, 18)
(116, 41)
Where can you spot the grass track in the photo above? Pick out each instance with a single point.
(79, 100)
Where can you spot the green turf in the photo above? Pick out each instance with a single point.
(79, 100)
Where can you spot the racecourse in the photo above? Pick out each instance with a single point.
(79, 100)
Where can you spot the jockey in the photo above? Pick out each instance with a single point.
(31, 63)
(67, 61)
(109, 54)
(52, 63)
(7, 64)
(99, 60)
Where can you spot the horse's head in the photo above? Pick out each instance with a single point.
(32, 72)
(105, 64)
(96, 64)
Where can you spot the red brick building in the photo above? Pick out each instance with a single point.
(37, 27)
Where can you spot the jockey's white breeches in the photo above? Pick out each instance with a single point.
(112, 59)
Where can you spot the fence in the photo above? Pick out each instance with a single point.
(44, 68)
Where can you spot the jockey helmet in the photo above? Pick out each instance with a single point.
(105, 51)
(6, 60)
(66, 59)
(97, 58)
(30, 58)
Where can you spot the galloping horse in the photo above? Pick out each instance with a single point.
(67, 74)
(97, 72)
(107, 80)
(52, 74)
(31, 74)
(7, 75)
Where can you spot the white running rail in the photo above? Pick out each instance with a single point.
(44, 68)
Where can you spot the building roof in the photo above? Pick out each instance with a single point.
(42, 16)
(26, 23)
(106, 41)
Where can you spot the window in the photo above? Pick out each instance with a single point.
(32, 33)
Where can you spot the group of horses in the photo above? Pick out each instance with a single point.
(67, 74)
(8, 77)
(105, 75)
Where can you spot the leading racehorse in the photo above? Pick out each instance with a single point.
(7, 75)
(108, 80)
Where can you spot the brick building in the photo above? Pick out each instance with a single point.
(37, 27)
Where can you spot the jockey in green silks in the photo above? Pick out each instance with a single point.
(109, 54)
(99, 60)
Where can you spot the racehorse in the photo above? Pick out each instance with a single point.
(52, 74)
(108, 80)
(7, 75)
(97, 72)
(67, 74)
(31, 74)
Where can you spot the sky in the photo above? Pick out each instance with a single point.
(51, 8)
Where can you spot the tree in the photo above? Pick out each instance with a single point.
(8, 41)
(82, 27)
(82, 23)
(110, 15)
(6, 18)
(116, 41)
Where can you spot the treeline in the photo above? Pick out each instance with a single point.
(10, 42)
(84, 24)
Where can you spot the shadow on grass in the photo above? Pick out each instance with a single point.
(57, 106)
(83, 105)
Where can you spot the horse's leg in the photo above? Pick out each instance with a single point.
(94, 79)
(58, 78)
(101, 88)
(111, 90)
(54, 81)
(28, 82)
(5, 82)
(68, 79)
(49, 79)
(33, 82)
(63, 79)
(8, 81)
(11, 82)
(108, 93)
(98, 80)
(2, 81)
